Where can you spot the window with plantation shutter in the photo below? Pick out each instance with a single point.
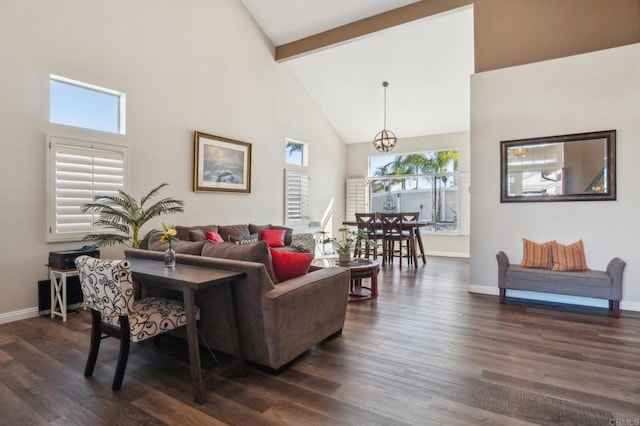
(78, 172)
(296, 197)
(356, 198)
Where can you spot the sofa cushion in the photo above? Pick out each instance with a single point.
(287, 234)
(183, 231)
(304, 242)
(244, 239)
(227, 231)
(213, 236)
(197, 235)
(288, 265)
(179, 246)
(257, 229)
(569, 258)
(258, 252)
(536, 255)
(273, 237)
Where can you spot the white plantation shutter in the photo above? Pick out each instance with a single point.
(78, 172)
(356, 202)
(296, 197)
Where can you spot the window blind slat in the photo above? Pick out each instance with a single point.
(297, 196)
(81, 171)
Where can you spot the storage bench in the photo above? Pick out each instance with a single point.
(598, 284)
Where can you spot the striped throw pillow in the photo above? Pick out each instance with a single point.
(536, 255)
(569, 258)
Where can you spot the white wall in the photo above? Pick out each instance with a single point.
(358, 167)
(184, 65)
(591, 92)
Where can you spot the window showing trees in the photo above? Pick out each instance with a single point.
(296, 153)
(425, 182)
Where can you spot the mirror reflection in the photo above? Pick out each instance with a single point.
(558, 168)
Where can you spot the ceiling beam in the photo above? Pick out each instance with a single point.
(391, 18)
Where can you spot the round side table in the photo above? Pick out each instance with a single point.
(360, 269)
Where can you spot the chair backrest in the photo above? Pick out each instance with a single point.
(107, 285)
(366, 222)
(410, 216)
(391, 223)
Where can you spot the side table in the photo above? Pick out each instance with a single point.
(360, 269)
(58, 279)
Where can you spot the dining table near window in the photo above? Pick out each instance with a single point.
(413, 227)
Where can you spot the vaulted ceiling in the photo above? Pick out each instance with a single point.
(427, 62)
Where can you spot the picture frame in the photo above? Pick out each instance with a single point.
(221, 164)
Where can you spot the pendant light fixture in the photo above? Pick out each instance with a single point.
(385, 140)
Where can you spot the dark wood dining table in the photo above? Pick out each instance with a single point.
(188, 279)
(414, 230)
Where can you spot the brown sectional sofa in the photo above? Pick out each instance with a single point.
(293, 242)
(277, 321)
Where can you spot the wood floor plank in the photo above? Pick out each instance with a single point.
(426, 351)
(172, 412)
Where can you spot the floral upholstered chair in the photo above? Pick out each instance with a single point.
(107, 288)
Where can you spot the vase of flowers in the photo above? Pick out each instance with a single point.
(169, 255)
(349, 240)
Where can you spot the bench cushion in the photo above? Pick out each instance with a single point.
(583, 283)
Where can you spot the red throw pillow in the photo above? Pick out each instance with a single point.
(288, 265)
(214, 236)
(273, 237)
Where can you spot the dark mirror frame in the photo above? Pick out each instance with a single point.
(610, 140)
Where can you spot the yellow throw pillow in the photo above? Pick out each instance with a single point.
(536, 255)
(569, 258)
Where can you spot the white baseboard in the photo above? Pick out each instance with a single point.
(556, 298)
(18, 315)
(447, 254)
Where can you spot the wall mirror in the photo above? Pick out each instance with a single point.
(578, 167)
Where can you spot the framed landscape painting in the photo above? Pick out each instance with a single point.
(221, 164)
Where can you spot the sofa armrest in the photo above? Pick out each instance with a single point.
(304, 301)
(503, 263)
(305, 242)
(614, 270)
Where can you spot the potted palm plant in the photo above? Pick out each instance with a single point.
(123, 214)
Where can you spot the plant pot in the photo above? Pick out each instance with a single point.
(344, 257)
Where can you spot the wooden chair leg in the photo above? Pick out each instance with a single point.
(96, 337)
(615, 304)
(125, 340)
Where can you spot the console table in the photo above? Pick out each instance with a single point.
(189, 279)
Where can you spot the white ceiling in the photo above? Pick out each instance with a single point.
(428, 64)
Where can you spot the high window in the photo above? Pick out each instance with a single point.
(78, 171)
(79, 104)
(296, 153)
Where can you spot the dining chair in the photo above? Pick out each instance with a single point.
(393, 232)
(107, 288)
(368, 223)
(411, 217)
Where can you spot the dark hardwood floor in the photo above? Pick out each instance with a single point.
(426, 352)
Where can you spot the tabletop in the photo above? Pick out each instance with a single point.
(354, 265)
(182, 276)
